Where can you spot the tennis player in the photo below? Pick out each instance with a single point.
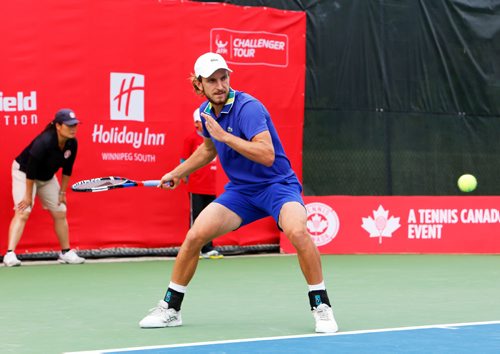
(33, 173)
(238, 128)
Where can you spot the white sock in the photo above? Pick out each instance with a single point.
(315, 287)
(177, 287)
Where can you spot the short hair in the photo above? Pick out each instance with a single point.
(194, 80)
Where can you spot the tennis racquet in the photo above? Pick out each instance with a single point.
(102, 184)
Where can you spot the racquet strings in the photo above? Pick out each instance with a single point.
(99, 183)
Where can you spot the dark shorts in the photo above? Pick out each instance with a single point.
(267, 202)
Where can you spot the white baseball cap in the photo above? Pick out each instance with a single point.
(209, 63)
(196, 115)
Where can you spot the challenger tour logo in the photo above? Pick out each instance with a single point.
(250, 47)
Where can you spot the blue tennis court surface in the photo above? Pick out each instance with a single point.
(480, 337)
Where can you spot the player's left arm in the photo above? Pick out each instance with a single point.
(260, 149)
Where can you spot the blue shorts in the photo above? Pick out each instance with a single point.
(266, 202)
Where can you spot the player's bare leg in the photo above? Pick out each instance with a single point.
(213, 221)
(293, 218)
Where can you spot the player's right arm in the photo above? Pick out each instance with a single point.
(202, 156)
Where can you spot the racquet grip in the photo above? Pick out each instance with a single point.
(155, 182)
(151, 183)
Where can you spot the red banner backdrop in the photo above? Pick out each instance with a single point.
(123, 67)
(346, 224)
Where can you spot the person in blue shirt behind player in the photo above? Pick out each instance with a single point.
(238, 128)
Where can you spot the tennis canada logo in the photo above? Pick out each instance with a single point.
(127, 96)
(380, 225)
(322, 223)
(250, 47)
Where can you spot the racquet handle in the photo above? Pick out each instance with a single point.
(155, 182)
(151, 183)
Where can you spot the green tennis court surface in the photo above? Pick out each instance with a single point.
(51, 308)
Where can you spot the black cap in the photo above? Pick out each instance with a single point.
(66, 116)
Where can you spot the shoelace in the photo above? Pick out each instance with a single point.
(69, 255)
(324, 314)
(158, 310)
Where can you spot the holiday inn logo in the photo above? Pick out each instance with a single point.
(127, 96)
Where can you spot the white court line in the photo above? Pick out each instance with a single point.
(125, 259)
(28, 263)
(443, 326)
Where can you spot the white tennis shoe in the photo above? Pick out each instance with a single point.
(70, 257)
(161, 316)
(213, 254)
(325, 322)
(10, 260)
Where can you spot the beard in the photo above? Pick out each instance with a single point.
(218, 99)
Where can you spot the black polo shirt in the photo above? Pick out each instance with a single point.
(42, 158)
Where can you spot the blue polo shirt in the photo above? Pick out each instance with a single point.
(244, 116)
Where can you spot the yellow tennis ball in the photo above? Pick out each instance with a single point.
(467, 183)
